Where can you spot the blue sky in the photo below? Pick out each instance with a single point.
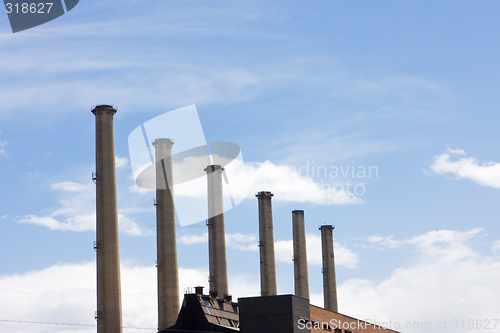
(410, 88)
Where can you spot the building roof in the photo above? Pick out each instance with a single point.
(204, 313)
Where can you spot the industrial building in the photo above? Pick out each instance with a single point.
(215, 311)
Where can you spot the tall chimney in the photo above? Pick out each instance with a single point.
(109, 305)
(300, 254)
(266, 245)
(168, 279)
(216, 233)
(329, 283)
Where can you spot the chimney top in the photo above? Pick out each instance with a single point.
(162, 140)
(327, 226)
(264, 193)
(198, 290)
(104, 107)
(213, 168)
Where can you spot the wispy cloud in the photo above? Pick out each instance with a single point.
(432, 243)
(33, 175)
(194, 239)
(495, 248)
(486, 173)
(121, 162)
(236, 241)
(3, 153)
(69, 187)
(76, 212)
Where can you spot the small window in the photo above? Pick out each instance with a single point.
(207, 302)
(327, 327)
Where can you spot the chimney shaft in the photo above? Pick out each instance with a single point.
(216, 233)
(266, 245)
(300, 254)
(109, 314)
(168, 279)
(329, 282)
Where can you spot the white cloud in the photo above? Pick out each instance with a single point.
(456, 151)
(495, 248)
(284, 181)
(235, 241)
(69, 187)
(343, 256)
(121, 162)
(66, 293)
(76, 221)
(194, 239)
(3, 153)
(288, 185)
(242, 242)
(76, 212)
(449, 281)
(487, 174)
(33, 175)
(72, 223)
(386, 241)
(136, 189)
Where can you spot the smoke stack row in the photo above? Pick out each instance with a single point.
(267, 258)
(168, 280)
(109, 319)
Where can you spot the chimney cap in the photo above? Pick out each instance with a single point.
(104, 107)
(264, 193)
(327, 226)
(161, 140)
(212, 168)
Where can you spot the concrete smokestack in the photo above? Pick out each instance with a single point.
(216, 233)
(109, 305)
(300, 254)
(329, 282)
(168, 279)
(266, 245)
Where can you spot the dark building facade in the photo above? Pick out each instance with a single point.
(273, 314)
